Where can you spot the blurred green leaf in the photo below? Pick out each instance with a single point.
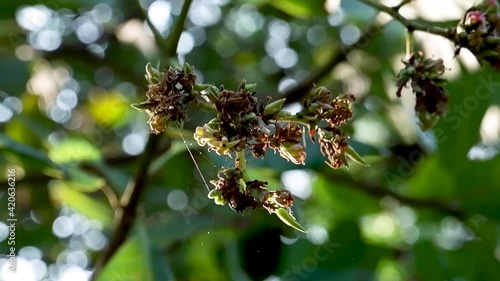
(428, 264)
(136, 260)
(74, 150)
(110, 109)
(8, 144)
(81, 202)
(83, 181)
(299, 8)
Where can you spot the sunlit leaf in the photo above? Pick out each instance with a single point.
(84, 181)
(299, 8)
(74, 150)
(109, 109)
(88, 206)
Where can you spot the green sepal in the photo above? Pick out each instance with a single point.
(285, 216)
(352, 154)
(214, 193)
(152, 74)
(188, 68)
(251, 87)
(220, 201)
(145, 105)
(274, 107)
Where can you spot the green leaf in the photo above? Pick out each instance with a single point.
(353, 155)
(27, 151)
(110, 108)
(83, 181)
(285, 216)
(74, 150)
(136, 260)
(81, 202)
(300, 8)
(176, 149)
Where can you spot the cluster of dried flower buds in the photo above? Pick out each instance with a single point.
(481, 32)
(321, 106)
(243, 123)
(231, 189)
(168, 96)
(427, 85)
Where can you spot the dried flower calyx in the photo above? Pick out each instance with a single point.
(481, 32)
(427, 85)
(321, 104)
(168, 96)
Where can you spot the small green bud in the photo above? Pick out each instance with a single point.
(152, 74)
(220, 201)
(214, 123)
(274, 106)
(214, 193)
(249, 116)
(251, 87)
(317, 91)
(188, 68)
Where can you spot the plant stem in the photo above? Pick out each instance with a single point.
(404, 2)
(409, 43)
(339, 55)
(159, 39)
(173, 39)
(241, 163)
(410, 25)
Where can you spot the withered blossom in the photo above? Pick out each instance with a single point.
(481, 32)
(333, 145)
(168, 96)
(242, 196)
(424, 76)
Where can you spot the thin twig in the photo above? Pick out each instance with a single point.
(380, 192)
(410, 25)
(125, 216)
(400, 5)
(174, 37)
(297, 92)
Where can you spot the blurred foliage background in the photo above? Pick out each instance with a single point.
(428, 208)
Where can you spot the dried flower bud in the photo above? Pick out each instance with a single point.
(333, 145)
(240, 196)
(295, 153)
(221, 145)
(168, 96)
(426, 82)
(481, 32)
